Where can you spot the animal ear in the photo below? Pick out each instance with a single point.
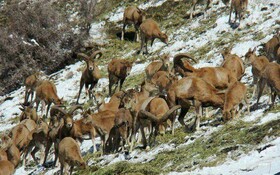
(88, 111)
(255, 49)
(21, 109)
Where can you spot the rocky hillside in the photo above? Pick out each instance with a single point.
(246, 145)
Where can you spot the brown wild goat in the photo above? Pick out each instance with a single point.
(233, 63)
(28, 112)
(69, 153)
(155, 66)
(149, 30)
(114, 103)
(47, 92)
(270, 75)
(62, 128)
(91, 74)
(258, 64)
(199, 91)
(135, 16)
(240, 7)
(12, 151)
(38, 141)
(118, 70)
(103, 122)
(272, 48)
(218, 77)
(124, 123)
(235, 96)
(163, 80)
(30, 84)
(158, 112)
(195, 2)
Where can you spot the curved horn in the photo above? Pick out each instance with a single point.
(74, 108)
(94, 54)
(59, 109)
(82, 55)
(183, 55)
(163, 118)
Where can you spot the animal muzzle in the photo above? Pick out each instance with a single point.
(69, 125)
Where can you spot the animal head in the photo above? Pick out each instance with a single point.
(90, 60)
(6, 141)
(27, 111)
(249, 56)
(128, 67)
(68, 116)
(163, 37)
(226, 52)
(87, 116)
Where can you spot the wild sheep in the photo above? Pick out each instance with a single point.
(91, 74)
(12, 151)
(155, 66)
(233, 63)
(6, 167)
(47, 93)
(55, 125)
(69, 154)
(21, 136)
(118, 70)
(149, 30)
(181, 66)
(195, 2)
(38, 141)
(124, 124)
(134, 101)
(157, 110)
(80, 129)
(258, 64)
(270, 75)
(103, 122)
(114, 103)
(240, 7)
(272, 48)
(135, 16)
(28, 112)
(235, 95)
(30, 84)
(219, 77)
(163, 80)
(199, 91)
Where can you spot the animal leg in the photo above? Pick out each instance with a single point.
(146, 45)
(80, 90)
(34, 151)
(152, 41)
(144, 141)
(61, 168)
(198, 109)
(229, 19)
(71, 170)
(48, 108)
(261, 85)
(121, 83)
(123, 30)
